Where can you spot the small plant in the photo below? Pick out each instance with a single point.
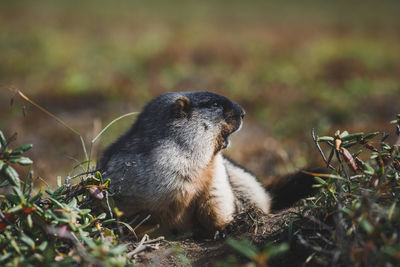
(56, 226)
(356, 212)
(256, 256)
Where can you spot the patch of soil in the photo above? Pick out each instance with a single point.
(259, 229)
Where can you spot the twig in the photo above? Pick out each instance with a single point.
(78, 175)
(143, 221)
(133, 220)
(108, 205)
(140, 247)
(155, 240)
(314, 247)
(320, 223)
(314, 137)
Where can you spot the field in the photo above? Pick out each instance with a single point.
(293, 66)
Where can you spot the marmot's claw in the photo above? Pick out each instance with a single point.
(219, 235)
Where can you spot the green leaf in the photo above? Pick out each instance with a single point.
(36, 197)
(325, 139)
(27, 240)
(29, 221)
(49, 191)
(42, 246)
(109, 221)
(24, 161)
(21, 149)
(84, 211)
(344, 134)
(11, 175)
(319, 180)
(317, 185)
(5, 257)
(1, 164)
(5, 183)
(352, 136)
(244, 247)
(366, 226)
(13, 199)
(56, 202)
(102, 216)
(369, 170)
(391, 211)
(58, 190)
(88, 241)
(349, 144)
(15, 209)
(370, 135)
(3, 141)
(73, 203)
(38, 257)
(357, 153)
(18, 192)
(346, 210)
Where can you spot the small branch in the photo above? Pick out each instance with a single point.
(140, 247)
(314, 137)
(314, 247)
(143, 221)
(108, 205)
(78, 175)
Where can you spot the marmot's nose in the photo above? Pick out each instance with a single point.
(239, 110)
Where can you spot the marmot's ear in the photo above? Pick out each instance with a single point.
(181, 107)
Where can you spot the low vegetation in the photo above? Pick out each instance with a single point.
(69, 225)
(355, 217)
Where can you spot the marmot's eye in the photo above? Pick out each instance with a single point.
(215, 104)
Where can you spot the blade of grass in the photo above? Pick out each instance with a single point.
(111, 123)
(57, 119)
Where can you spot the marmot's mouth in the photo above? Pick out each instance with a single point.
(222, 140)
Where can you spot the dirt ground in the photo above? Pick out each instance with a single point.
(208, 252)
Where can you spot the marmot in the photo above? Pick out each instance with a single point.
(170, 165)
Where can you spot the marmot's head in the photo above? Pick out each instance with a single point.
(193, 118)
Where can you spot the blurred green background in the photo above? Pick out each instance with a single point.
(292, 65)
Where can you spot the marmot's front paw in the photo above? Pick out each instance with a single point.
(223, 233)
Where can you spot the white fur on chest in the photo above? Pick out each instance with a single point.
(221, 192)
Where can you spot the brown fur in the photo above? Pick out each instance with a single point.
(181, 107)
(185, 203)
